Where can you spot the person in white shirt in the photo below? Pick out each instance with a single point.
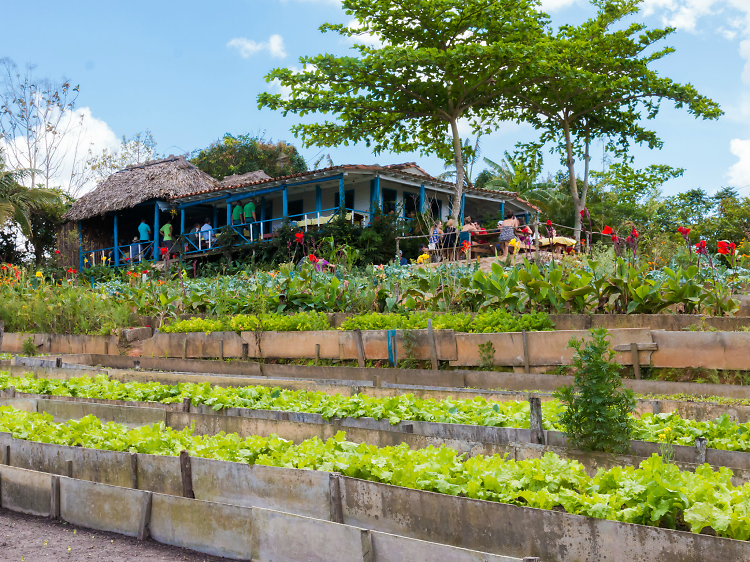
(206, 232)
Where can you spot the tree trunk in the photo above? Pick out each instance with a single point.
(458, 158)
(577, 205)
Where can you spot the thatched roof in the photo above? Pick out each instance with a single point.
(157, 179)
(250, 177)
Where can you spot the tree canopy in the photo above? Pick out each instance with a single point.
(241, 154)
(596, 82)
(438, 62)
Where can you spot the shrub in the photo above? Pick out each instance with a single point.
(28, 347)
(483, 323)
(599, 412)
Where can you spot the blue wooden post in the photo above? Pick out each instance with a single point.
(463, 207)
(182, 222)
(318, 199)
(342, 196)
(376, 191)
(284, 204)
(80, 247)
(421, 198)
(526, 216)
(216, 217)
(229, 214)
(156, 231)
(502, 210)
(117, 244)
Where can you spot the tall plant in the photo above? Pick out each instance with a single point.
(598, 414)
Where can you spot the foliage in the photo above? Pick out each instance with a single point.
(655, 493)
(28, 347)
(300, 322)
(18, 202)
(482, 323)
(487, 355)
(138, 149)
(605, 91)
(438, 62)
(598, 416)
(237, 155)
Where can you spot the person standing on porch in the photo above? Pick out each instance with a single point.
(144, 230)
(250, 214)
(166, 232)
(237, 214)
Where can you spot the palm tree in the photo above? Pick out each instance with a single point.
(17, 201)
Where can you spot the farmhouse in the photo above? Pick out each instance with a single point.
(106, 220)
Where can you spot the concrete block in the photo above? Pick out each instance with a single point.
(212, 528)
(103, 507)
(376, 344)
(392, 548)
(160, 474)
(199, 344)
(281, 537)
(60, 343)
(137, 334)
(26, 491)
(109, 467)
(301, 492)
(293, 345)
(23, 404)
(131, 416)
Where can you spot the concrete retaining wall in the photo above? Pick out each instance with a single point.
(27, 491)
(670, 322)
(195, 344)
(59, 343)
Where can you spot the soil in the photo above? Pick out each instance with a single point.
(25, 538)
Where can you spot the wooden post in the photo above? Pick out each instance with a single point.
(187, 475)
(526, 360)
(397, 249)
(700, 449)
(2, 331)
(134, 470)
(69, 468)
(106, 348)
(317, 353)
(7, 455)
(54, 508)
(537, 427)
(184, 348)
(221, 350)
(532, 559)
(11, 392)
(334, 486)
(656, 409)
(376, 381)
(245, 351)
(186, 404)
(145, 516)
(360, 347)
(58, 362)
(368, 554)
(636, 361)
(433, 347)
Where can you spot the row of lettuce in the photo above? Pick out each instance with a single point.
(661, 428)
(484, 322)
(656, 493)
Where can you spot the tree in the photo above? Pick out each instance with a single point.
(39, 129)
(595, 82)
(439, 61)
(138, 149)
(17, 201)
(245, 153)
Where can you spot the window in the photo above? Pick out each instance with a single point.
(295, 209)
(411, 204)
(389, 201)
(348, 199)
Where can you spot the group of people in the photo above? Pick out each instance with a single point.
(510, 231)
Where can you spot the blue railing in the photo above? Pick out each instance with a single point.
(205, 239)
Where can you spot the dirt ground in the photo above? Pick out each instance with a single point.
(25, 538)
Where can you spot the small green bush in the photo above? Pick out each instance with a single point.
(483, 323)
(599, 412)
(28, 347)
(302, 322)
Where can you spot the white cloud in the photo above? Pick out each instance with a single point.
(248, 47)
(368, 39)
(84, 133)
(739, 173)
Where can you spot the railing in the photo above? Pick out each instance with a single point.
(205, 240)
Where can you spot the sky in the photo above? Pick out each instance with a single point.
(191, 71)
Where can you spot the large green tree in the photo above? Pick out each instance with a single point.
(438, 62)
(241, 154)
(597, 81)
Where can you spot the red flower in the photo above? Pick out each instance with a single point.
(614, 238)
(607, 230)
(635, 233)
(70, 270)
(299, 236)
(145, 272)
(57, 251)
(726, 248)
(312, 258)
(569, 250)
(75, 271)
(465, 245)
(549, 222)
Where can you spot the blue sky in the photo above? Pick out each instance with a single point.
(191, 71)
